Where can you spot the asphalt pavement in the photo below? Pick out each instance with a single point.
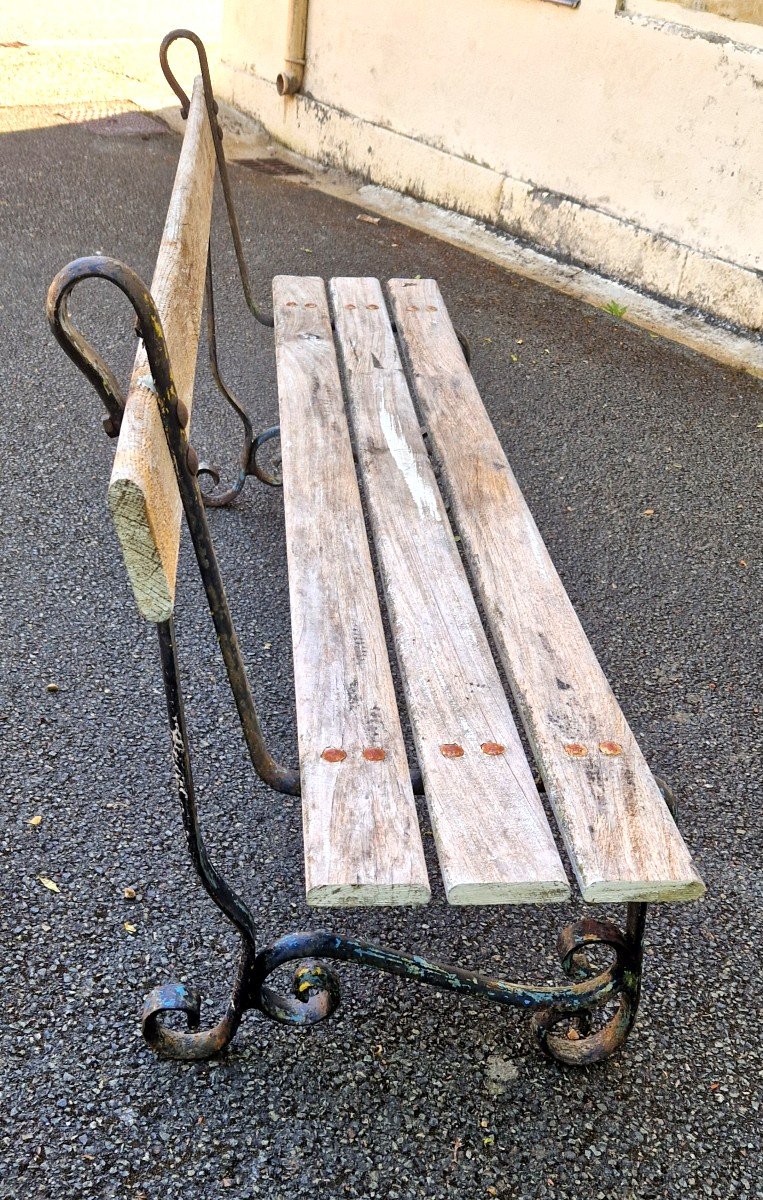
(641, 462)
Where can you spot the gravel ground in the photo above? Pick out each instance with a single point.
(404, 1093)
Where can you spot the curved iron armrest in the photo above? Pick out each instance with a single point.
(174, 416)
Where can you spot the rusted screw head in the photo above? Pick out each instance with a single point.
(452, 750)
(494, 748)
(333, 754)
(182, 414)
(611, 749)
(575, 749)
(192, 461)
(374, 754)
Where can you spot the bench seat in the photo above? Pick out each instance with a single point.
(493, 840)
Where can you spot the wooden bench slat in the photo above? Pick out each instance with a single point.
(143, 494)
(362, 839)
(621, 839)
(492, 836)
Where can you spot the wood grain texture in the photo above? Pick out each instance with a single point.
(619, 834)
(143, 494)
(493, 840)
(361, 834)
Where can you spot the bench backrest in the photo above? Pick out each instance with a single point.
(143, 494)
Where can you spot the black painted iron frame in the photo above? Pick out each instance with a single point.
(573, 1005)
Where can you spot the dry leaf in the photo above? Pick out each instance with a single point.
(49, 884)
(129, 893)
(368, 220)
(34, 820)
(130, 928)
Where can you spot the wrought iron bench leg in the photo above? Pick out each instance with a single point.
(315, 989)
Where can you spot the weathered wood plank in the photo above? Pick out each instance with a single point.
(361, 834)
(617, 829)
(143, 494)
(493, 840)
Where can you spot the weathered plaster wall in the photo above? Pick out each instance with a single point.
(625, 141)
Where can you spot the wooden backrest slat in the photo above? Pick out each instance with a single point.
(622, 841)
(492, 836)
(143, 494)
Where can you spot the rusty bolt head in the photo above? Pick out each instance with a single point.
(611, 749)
(575, 749)
(333, 754)
(452, 750)
(374, 754)
(192, 461)
(182, 414)
(493, 748)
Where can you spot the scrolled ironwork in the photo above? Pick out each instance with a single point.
(315, 989)
(583, 1044)
(255, 467)
(193, 1044)
(258, 313)
(77, 347)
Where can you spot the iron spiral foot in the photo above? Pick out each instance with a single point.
(574, 1036)
(190, 1044)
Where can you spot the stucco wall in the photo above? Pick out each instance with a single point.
(626, 141)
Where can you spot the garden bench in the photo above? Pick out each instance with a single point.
(376, 399)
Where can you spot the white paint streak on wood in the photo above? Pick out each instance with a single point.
(143, 494)
(493, 840)
(420, 489)
(621, 839)
(361, 834)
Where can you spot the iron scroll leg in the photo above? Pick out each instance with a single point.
(249, 464)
